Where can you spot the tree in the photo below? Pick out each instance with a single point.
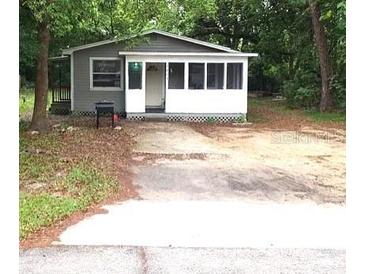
(94, 19)
(324, 58)
(28, 45)
(46, 15)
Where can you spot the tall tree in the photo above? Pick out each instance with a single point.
(323, 54)
(47, 14)
(96, 19)
(39, 121)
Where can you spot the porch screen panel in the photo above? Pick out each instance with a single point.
(234, 75)
(176, 75)
(215, 75)
(196, 75)
(106, 73)
(135, 75)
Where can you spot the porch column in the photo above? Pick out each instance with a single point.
(135, 98)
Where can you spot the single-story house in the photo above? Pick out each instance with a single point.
(160, 74)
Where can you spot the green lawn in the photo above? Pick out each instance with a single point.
(63, 186)
(265, 110)
(316, 116)
(81, 187)
(26, 101)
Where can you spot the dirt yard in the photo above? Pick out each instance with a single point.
(175, 161)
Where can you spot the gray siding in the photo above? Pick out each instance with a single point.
(161, 43)
(84, 98)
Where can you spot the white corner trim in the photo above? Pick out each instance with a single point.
(92, 88)
(142, 53)
(72, 82)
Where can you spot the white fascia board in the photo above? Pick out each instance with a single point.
(179, 37)
(100, 43)
(142, 53)
(63, 57)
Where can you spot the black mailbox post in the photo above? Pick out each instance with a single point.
(104, 107)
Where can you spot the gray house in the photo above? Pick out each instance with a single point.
(160, 74)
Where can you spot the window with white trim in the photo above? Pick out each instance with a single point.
(105, 74)
(234, 75)
(176, 75)
(215, 73)
(196, 75)
(135, 75)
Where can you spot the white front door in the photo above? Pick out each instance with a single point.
(155, 85)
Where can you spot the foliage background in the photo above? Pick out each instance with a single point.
(280, 31)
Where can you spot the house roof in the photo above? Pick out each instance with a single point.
(167, 34)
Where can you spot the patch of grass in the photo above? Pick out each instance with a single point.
(270, 112)
(38, 156)
(78, 187)
(316, 116)
(41, 210)
(241, 119)
(211, 120)
(276, 105)
(257, 109)
(255, 102)
(35, 167)
(83, 186)
(26, 101)
(60, 174)
(88, 184)
(23, 125)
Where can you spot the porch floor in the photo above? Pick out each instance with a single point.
(155, 110)
(156, 115)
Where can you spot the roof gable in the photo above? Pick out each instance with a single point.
(186, 40)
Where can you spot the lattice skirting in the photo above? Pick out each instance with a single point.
(136, 117)
(92, 113)
(190, 117)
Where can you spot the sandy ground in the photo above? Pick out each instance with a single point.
(177, 161)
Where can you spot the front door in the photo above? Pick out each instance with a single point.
(155, 86)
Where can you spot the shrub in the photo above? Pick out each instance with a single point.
(303, 91)
(338, 85)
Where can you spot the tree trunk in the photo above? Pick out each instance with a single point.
(324, 60)
(39, 119)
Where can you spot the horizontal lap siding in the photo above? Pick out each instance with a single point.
(160, 43)
(84, 98)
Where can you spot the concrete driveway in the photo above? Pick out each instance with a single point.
(175, 162)
(216, 191)
(201, 191)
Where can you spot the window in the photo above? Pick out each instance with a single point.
(215, 75)
(196, 75)
(135, 75)
(176, 75)
(106, 74)
(234, 75)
